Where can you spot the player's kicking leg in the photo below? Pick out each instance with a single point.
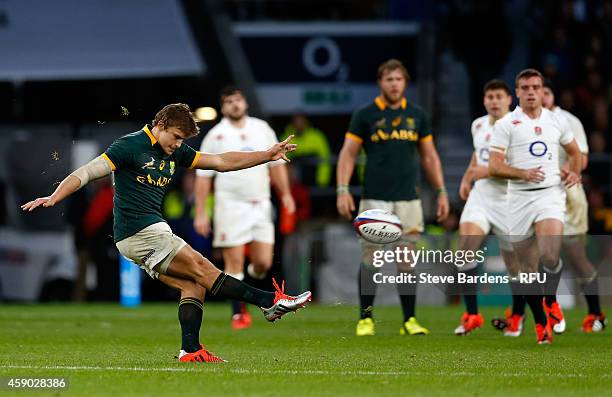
(472, 237)
(190, 318)
(192, 265)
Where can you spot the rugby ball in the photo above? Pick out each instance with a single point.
(378, 226)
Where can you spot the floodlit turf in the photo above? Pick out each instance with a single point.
(109, 350)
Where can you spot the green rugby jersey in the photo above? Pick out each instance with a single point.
(143, 172)
(390, 139)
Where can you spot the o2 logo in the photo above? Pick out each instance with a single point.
(484, 155)
(332, 58)
(539, 149)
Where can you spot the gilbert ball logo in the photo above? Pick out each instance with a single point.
(378, 226)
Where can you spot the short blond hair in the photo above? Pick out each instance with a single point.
(391, 65)
(177, 115)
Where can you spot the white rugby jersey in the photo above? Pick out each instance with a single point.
(248, 184)
(577, 129)
(530, 143)
(482, 131)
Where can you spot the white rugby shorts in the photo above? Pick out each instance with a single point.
(527, 207)
(488, 210)
(152, 248)
(239, 222)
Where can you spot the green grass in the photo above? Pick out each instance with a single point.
(109, 350)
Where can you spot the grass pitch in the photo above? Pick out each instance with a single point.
(108, 350)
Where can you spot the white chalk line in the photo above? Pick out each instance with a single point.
(222, 368)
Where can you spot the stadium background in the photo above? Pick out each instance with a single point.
(76, 75)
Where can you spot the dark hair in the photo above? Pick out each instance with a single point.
(496, 84)
(549, 84)
(229, 91)
(391, 65)
(527, 73)
(177, 115)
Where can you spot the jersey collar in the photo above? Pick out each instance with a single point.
(524, 115)
(380, 102)
(149, 134)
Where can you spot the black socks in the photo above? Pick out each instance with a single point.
(190, 317)
(591, 294)
(552, 283)
(518, 299)
(367, 293)
(367, 290)
(471, 303)
(236, 306)
(407, 296)
(535, 303)
(470, 291)
(228, 287)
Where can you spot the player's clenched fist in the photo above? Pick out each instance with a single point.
(345, 205)
(280, 150)
(534, 175)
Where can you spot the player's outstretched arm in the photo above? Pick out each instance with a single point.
(234, 161)
(346, 164)
(69, 185)
(96, 168)
(430, 161)
(500, 169)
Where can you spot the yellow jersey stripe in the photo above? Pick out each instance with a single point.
(195, 160)
(150, 134)
(354, 137)
(426, 138)
(109, 161)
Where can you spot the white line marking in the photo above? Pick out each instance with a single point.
(302, 372)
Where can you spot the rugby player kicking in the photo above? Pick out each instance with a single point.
(144, 163)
